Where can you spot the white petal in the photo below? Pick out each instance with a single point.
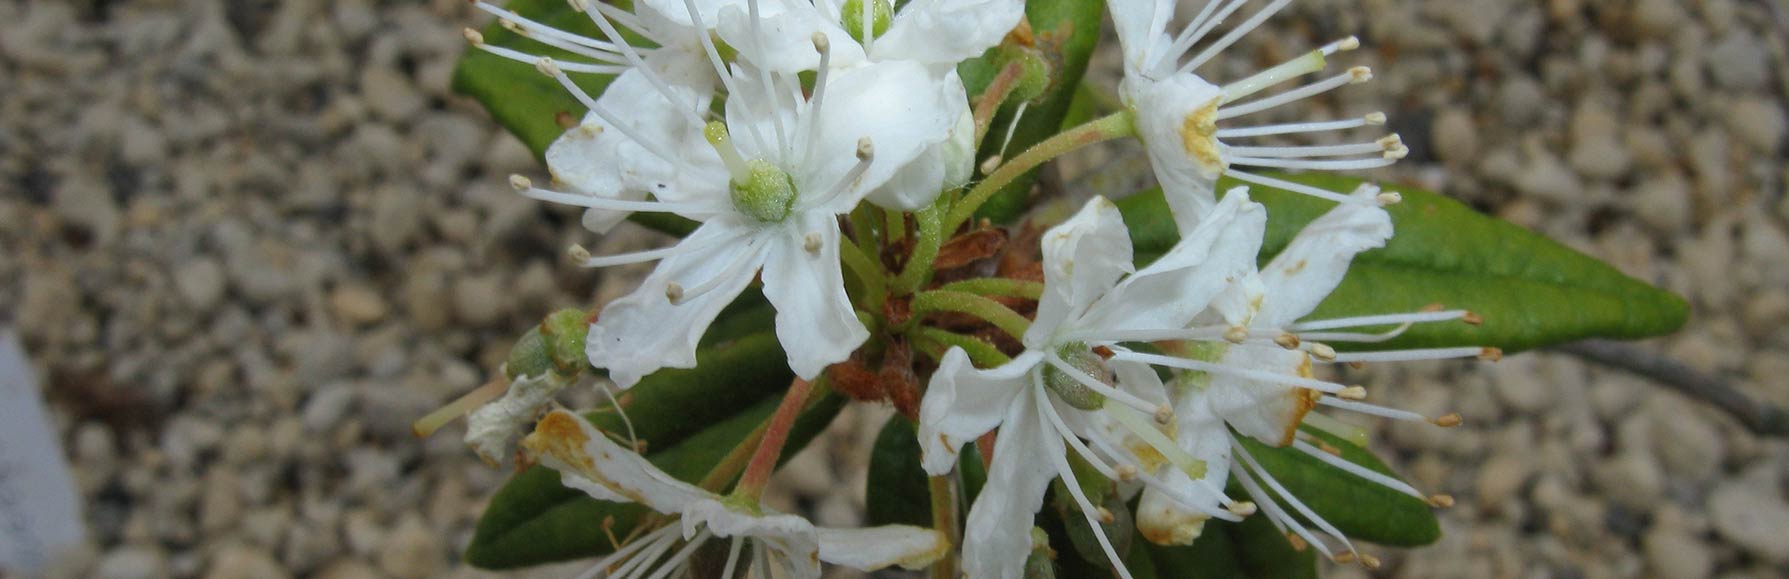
(947, 164)
(962, 403)
(1164, 520)
(947, 31)
(873, 548)
(1141, 26)
(678, 12)
(814, 318)
(997, 535)
(572, 446)
(1317, 258)
(1083, 257)
(792, 538)
(643, 331)
(787, 36)
(1187, 168)
(491, 427)
(1170, 292)
(901, 107)
(1266, 411)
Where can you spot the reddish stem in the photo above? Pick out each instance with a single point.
(757, 473)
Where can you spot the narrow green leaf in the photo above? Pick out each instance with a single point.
(671, 404)
(1251, 549)
(897, 490)
(1532, 291)
(1360, 508)
(1066, 31)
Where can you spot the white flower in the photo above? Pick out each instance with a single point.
(766, 185)
(1247, 367)
(938, 34)
(1178, 112)
(1061, 390)
(780, 545)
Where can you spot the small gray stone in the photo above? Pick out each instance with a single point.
(133, 563)
(1758, 122)
(1671, 552)
(389, 93)
(412, 551)
(201, 283)
(1752, 517)
(1738, 61)
(479, 299)
(244, 562)
(1456, 136)
(327, 407)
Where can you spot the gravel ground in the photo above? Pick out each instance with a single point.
(248, 241)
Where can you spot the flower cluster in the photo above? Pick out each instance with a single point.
(809, 138)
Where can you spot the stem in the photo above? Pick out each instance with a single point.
(998, 89)
(770, 447)
(918, 270)
(998, 286)
(866, 270)
(992, 311)
(1760, 419)
(863, 227)
(1113, 126)
(983, 354)
(895, 223)
(944, 520)
(735, 461)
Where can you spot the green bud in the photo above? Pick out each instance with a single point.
(564, 331)
(851, 17)
(529, 357)
(767, 195)
(1071, 390)
(1034, 77)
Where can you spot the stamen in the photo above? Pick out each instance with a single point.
(1250, 374)
(551, 36)
(1296, 128)
(714, 56)
(811, 243)
(527, 189)
(675, 563)
(626, 551)
(770, 98)
(1266, 181)
(1292, 500)
(718, 137)
(1354, 75)
(1413, 355)
(519, 56)
(733, 557)
(1353, 393)
(1287, 340)
(1448, 420)
(549, 67)
(824, 47)
(1322, 351)
(1441, 501)
(1353, 434)
(1280, 519)
(1378, 320)
(1185, 500)
(633, 57)
(1101, 388)
(585, 259)
(1382, 145)
(1326, 165)
(1373, 409)
(1236, 334)
(1149, 434)
(1234, 34)
(1358, 470)
(1018, 114)
(866, 154)
(1087, 508)
(1197, 29)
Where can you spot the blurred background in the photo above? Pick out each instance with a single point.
(245, 243)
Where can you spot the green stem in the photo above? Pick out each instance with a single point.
(992, 311)
(944, 520)
(1105, 128)
(998, 90)
(866, 270)
(863, 226)
(934, 342)
(998, 286)
(918, 270)
(895, 223)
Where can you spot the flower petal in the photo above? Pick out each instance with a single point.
(963, 402)
(1174, 289)
(901, 107)
(1267, 411)
(1083, 257)
(643, 331)
(1142, 26)
(787, 36)
(814, 318)
(791, 538)
(947, 31)
(947, 164)
(1317, 258)
(873, 548)
(574, 447)
(997, 535)
(491, 427)
(1175, 119)
(1164, 520)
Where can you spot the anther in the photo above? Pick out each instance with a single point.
(1287, 340)
(1441, 501)
(1126, 473)
(1344, 557)
(674, 292)
(1369, 561)
(990, 164)
(1333, 450)
(1398, 152)
(1491, 354)
(821, 43)
(1236, 334)
(511, 26)
(473, 36)
(1353, 393)
(865, 150)
(811, 243)
(578, 253)
(1242, 508)
(1106, 517)
(1297, 542)
(1349, 43)
(1164, 414)
(1472, 318)
(520, 183)
(590, 130)
(1448, 420)
(1389, 197)
(547, 67)
(1323, 352)
(1374, 118)
(1359, 74)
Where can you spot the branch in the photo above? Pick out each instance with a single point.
(1760, 418)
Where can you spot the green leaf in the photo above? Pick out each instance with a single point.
(1361, 509)
(897, 491)
(689, 418)
(1251, 549)
(1066, 31)
(1532, 291)
(529, 103)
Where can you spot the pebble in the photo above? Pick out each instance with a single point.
(357, 304)
(1671, 552)
(1752, 517)
(1688, 445)
(327, 407)
(201, 283)
(133, 563)
(1738, 61)
(1501, 477)
(1455, 136)
(411, 551)
(242, 562)
(1758, 122)
(479, 299)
